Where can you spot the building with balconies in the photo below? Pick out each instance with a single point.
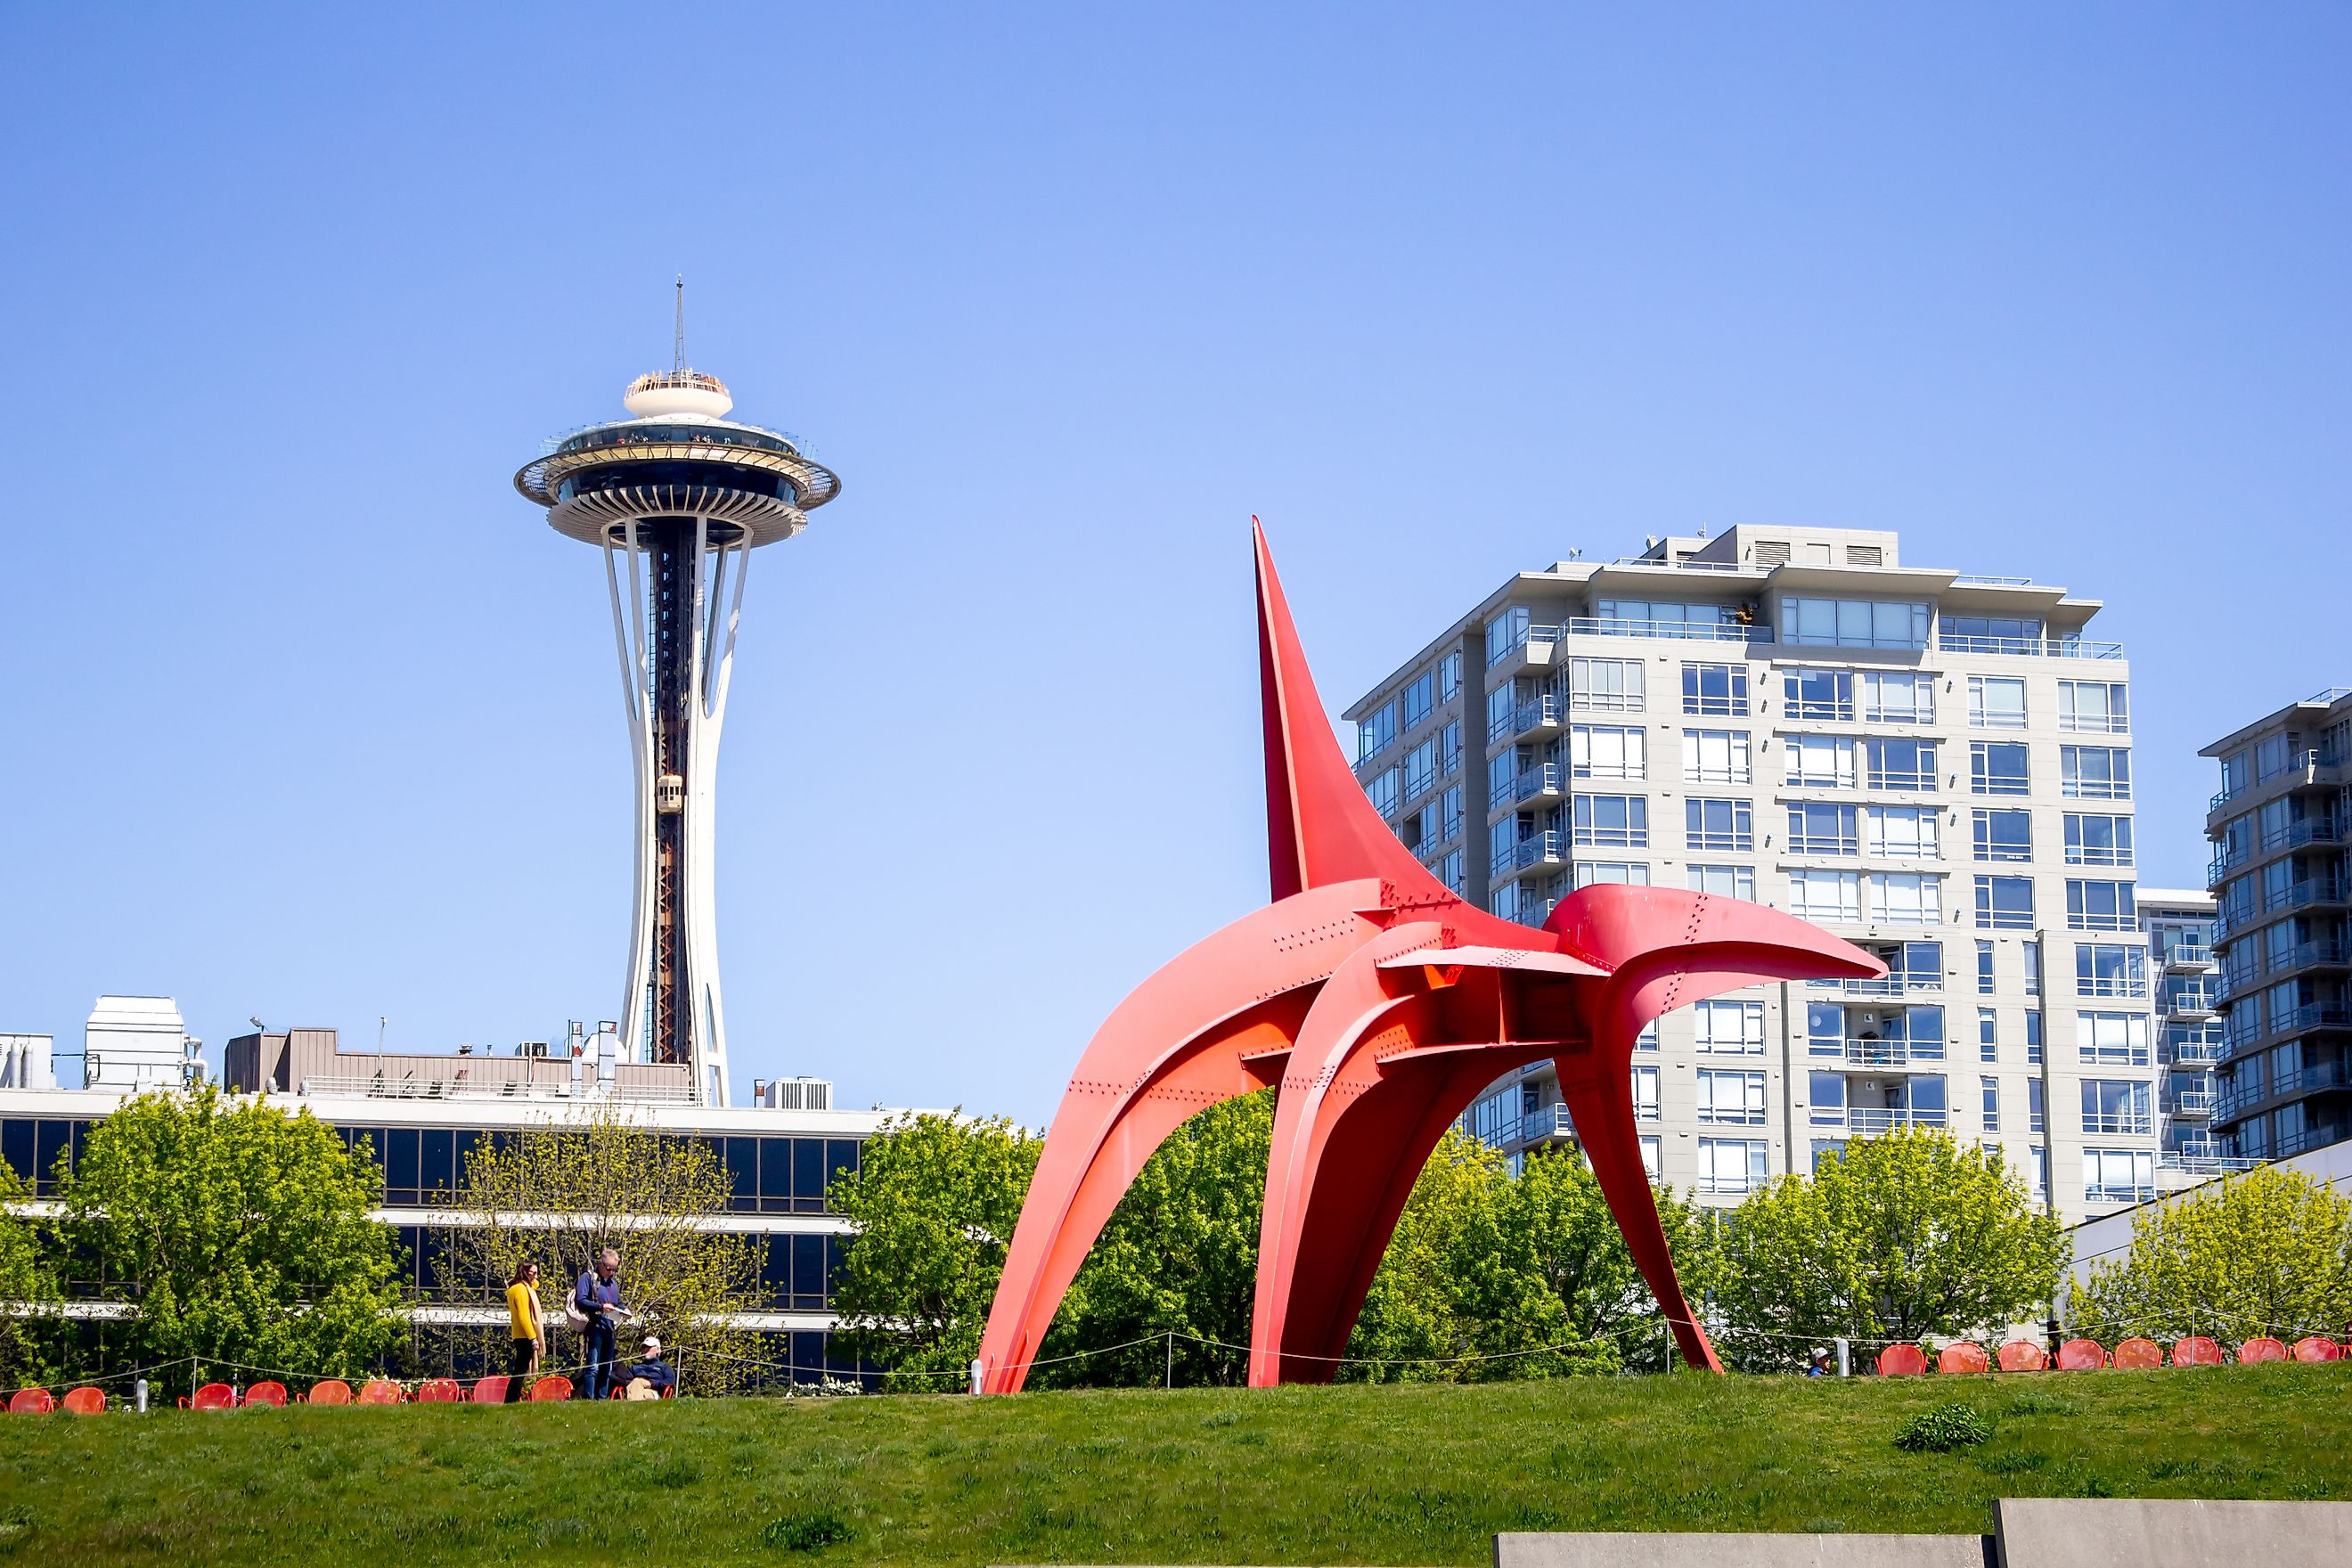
(1933, 764)
(2280, 878)
(2178, 923)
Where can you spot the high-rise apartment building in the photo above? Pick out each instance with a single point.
(2281, 885)
(2188, 1028)
(1934, 766)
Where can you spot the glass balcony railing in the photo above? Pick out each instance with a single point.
(1541, 712)
(2237, 1097)
(1544, 848)
(2191, 1102)
(1863, 1120)
(2036, 648)
(1531, 783)
(2188, 955)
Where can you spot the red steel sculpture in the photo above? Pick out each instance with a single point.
(1378, 1004)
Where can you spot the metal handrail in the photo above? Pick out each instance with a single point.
(2038, 648)
(2185, 953)
(1673, 631)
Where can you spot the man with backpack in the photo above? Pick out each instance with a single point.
(596, 1299)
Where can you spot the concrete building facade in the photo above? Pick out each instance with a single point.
(1934, 764)
(2283, 890)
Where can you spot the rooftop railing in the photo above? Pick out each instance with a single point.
(2035, 648)
(2303, 768)
(1672, 631)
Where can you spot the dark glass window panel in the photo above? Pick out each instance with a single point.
(808, 1175)
(469, 1141)
(49, 1143)
(776, 1270)
(435, 1158)
(808, 1356)
(743, 1174)
(840, 1159)
(808, 1272)
(18, 1144)
(399, 1163)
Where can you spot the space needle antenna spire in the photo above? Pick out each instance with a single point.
(677, 343)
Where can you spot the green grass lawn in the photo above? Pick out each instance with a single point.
(1412, 1475)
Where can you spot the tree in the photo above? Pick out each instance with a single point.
(28, 1280)
(238, 1233)
(558, 1193)
(934, 1202)
(1899, 1237)
(2269, 1252)
(1411, 1328)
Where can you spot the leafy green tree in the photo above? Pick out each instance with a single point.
(2269, 1252)
(934, 1202)
(1900, 1237)
(557, 1193)
(27, 1278)
(238, 1232)
(1411, 1328)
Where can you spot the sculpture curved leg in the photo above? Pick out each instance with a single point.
(1215, 1023)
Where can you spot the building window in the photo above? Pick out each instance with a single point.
(1717, 688)
(2030, 956)
(1667, 618)
(1898, 696)
(1729, 1028)
(1449, 749)
(1901, 764)
(2004, 903)
(1630, 873)
(1613, 820)
(1906, 897)
(1990, 634)
(1730, 1164)
(1902, 832)
(1818, 829)
(2118, 1176)
(1382, 789)
(2034, 1038)
(1719, 825)
(1608, 751)
(1818, 694)
(1505, 634)
(1988, 1091)
(1419, 700)
(1853, 623)
(2033, 1117)
(1722, 881)
(2094, 773)
(1988, 1034)
(1420, 769)
(2004, 836)
(1716, 756)
(2113, 1040)
(1984, 968)
(1376, 729)
(2099, 707)
(2098, 840)
(1816, 895)
(1606, 685)
(2100, 906)
(1650, 1160)
(1645, 1093)
(1996, 702)
(1449, 675)
(1997, 767)
(2110, 969)
(1449, 871)
(1819, 762)
(1730, 1098)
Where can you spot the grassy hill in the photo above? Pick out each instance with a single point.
(1414, 1475)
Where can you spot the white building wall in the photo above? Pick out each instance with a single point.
(134, 1043)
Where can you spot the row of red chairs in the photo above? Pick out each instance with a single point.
(272, 1394)
(2089, 1355)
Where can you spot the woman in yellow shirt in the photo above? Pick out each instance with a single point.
(526, 1329)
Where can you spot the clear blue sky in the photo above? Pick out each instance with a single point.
(313, 718)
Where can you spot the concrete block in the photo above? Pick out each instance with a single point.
(1638, 1550)
(2168, 1532)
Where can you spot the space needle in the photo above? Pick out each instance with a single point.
(677, 496)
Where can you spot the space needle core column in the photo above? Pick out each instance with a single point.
(678, 496)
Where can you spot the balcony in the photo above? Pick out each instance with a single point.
(1884, 1054)
(2201, 1157)
(2192, 1103)
(1544, 848)
(2303, 771)
(2030, 647)
(1542, 1124)
(1890, 986)
(2184, 955)
(1672, 631)
(1526, 719)
(2240, 1096)
(1541, 782)
(2198, 1053)
(2193, 1006)
(1863, 1120)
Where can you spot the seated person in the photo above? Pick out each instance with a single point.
(649, 1376)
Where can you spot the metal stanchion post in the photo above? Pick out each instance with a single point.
(1845, 1357)
(139, 1391)
(1171, 1358)
(979, 1374)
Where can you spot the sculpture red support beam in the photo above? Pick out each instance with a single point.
(1377, 1003)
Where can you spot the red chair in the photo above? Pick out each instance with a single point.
(490, 1390)
(31, 1402)
(2138, 1354)
(379, 1391)
(271, 1394)
(86, 1401)
(2022, 1355)
(2196, 1351)
(2314, 1347)
(1902, 1361)
(2082, 1355)
(440, 1391)
(334, 1391)
(621, 1391)
(1963, 1357)
(552, 1386)
(212, 1397)
(2263, 1348)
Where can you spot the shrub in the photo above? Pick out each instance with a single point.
(1940, 1431)
(805, 1531)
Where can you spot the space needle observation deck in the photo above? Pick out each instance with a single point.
(678, 496)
